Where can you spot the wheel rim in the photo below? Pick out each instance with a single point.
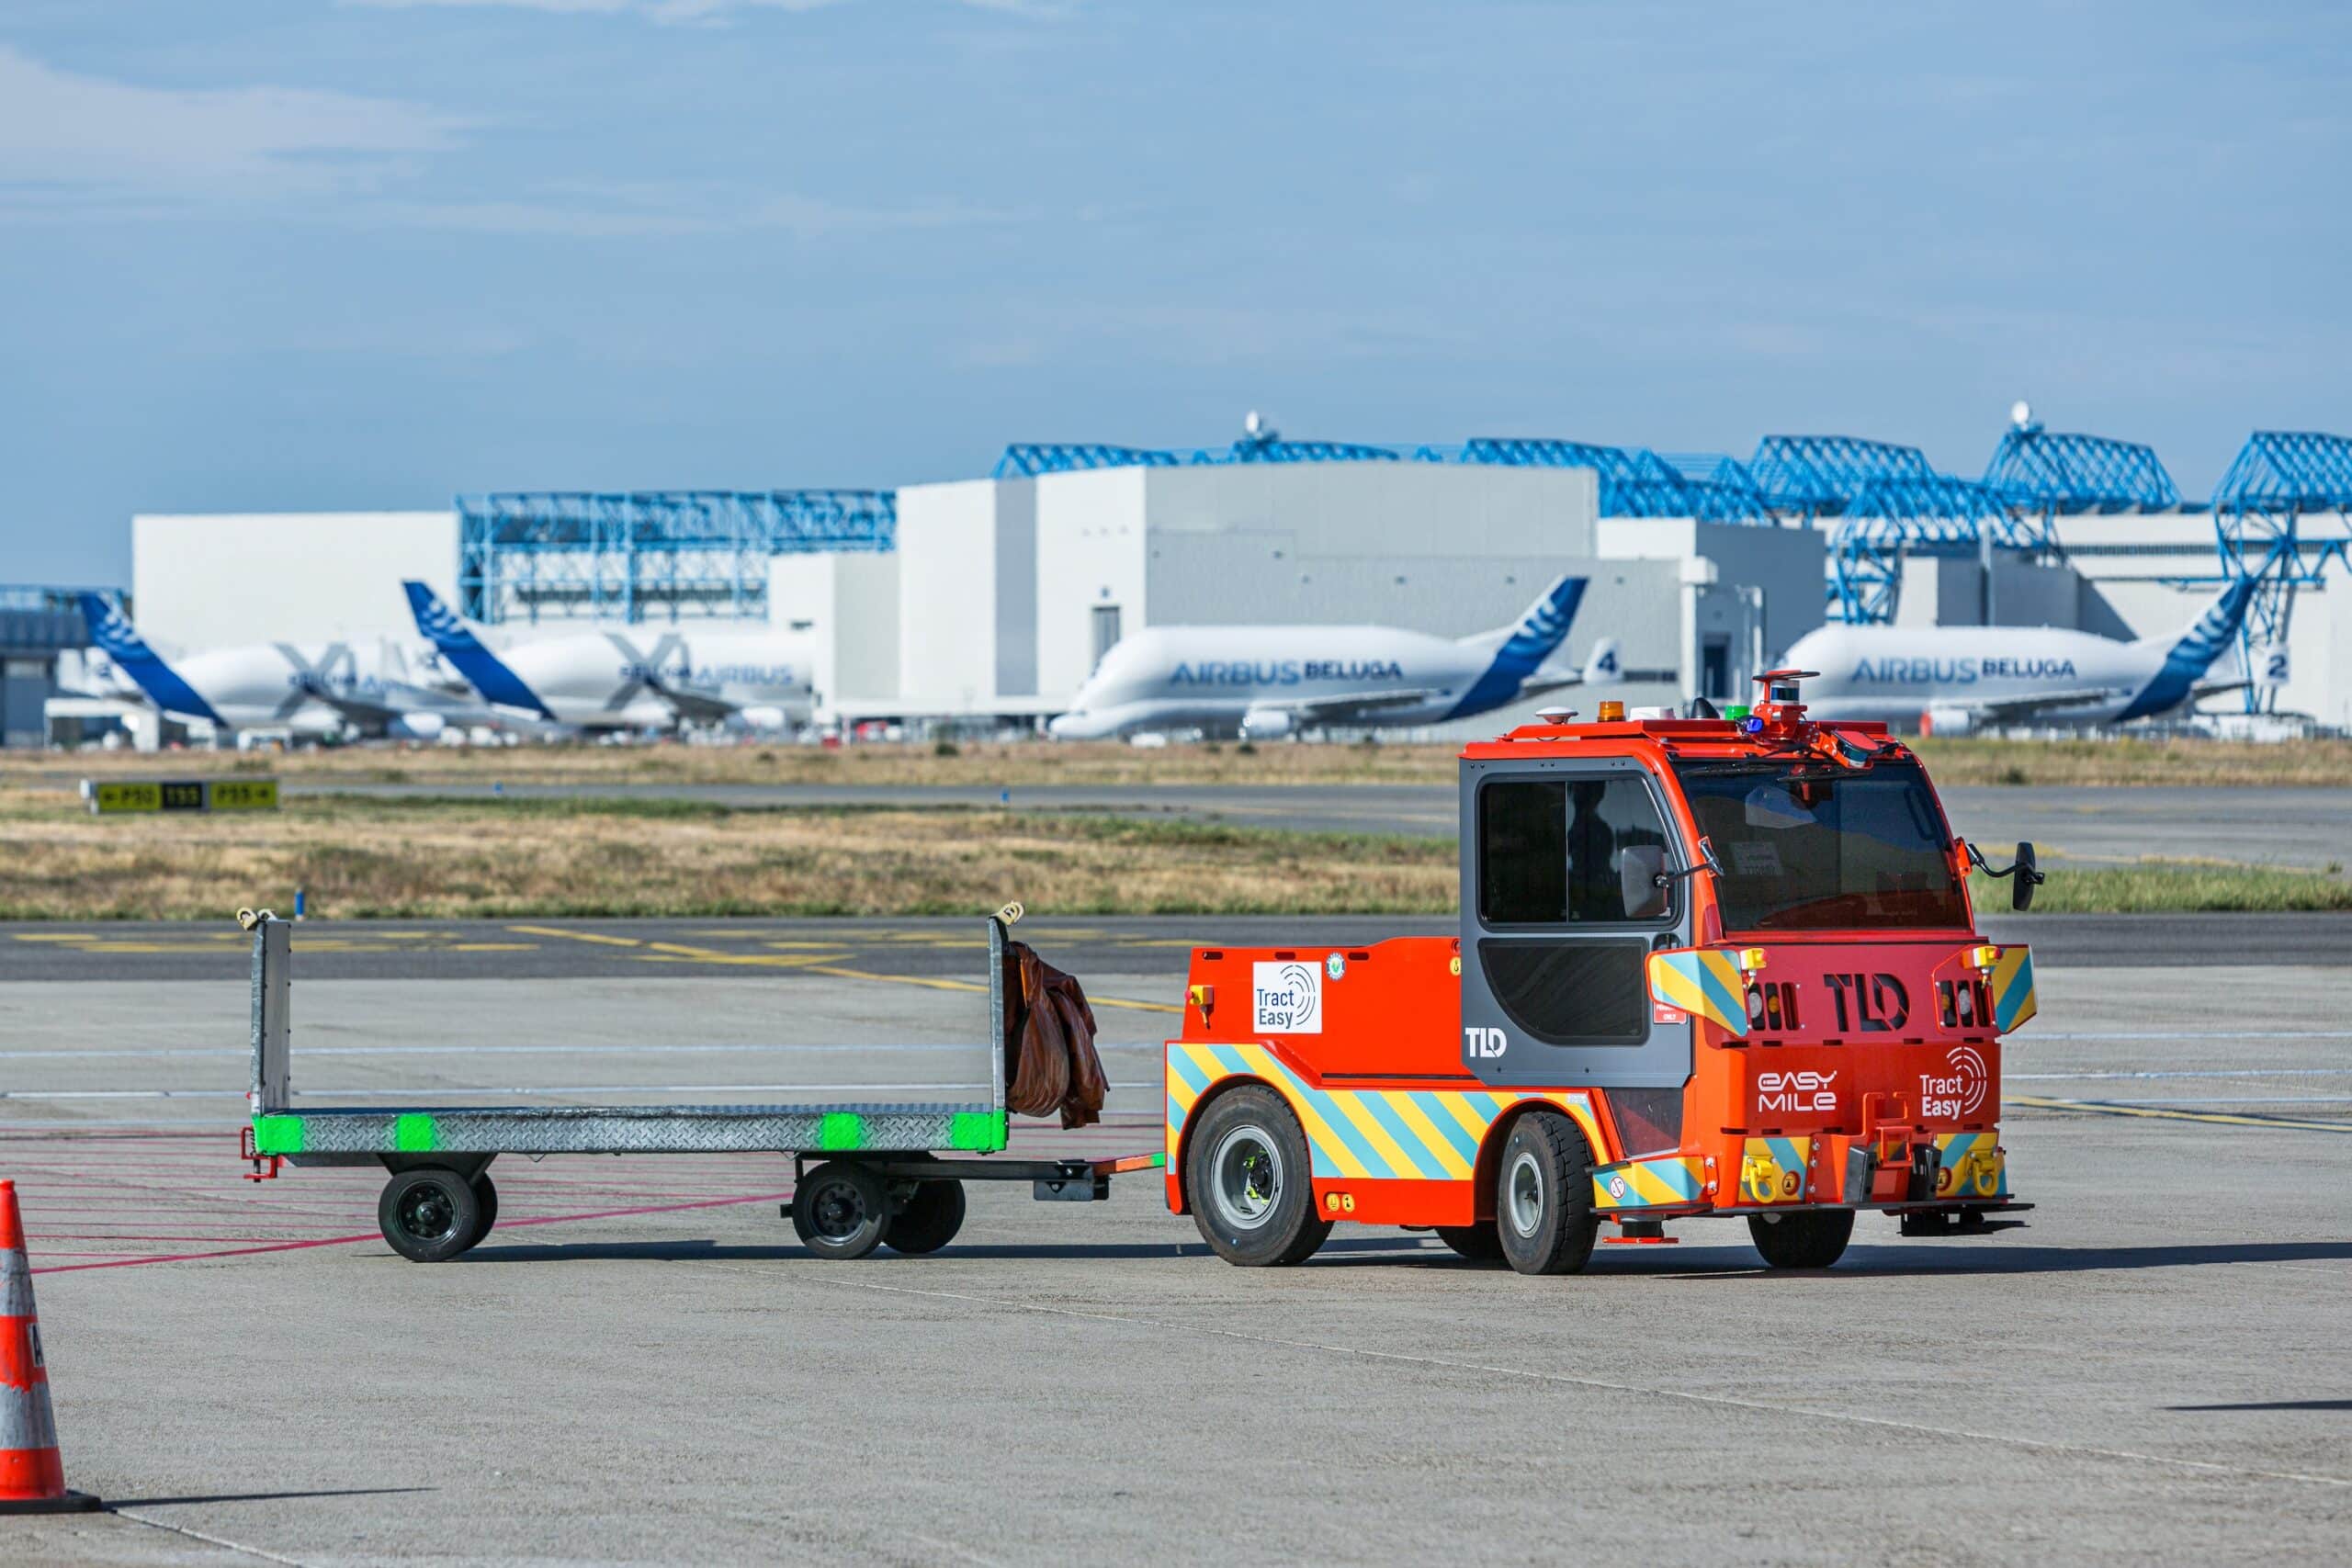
(837, 1211)
(426, 1213)
(1526, 1194)
(1247, 1175)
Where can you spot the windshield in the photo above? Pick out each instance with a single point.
(1813, 849)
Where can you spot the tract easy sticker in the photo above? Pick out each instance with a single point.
(1959, 1089)
(1287, 997)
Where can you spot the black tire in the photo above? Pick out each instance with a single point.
(486, 1194)
(1249, 1184)
(929, 1220)
(1479, 1243)
(429, 1215)
(1813, 1240)
(1544, 1217)
(841, 1211)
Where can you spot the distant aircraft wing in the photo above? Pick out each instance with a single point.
(359, 710)
(696, 708)
(2016, 710)
(1351, 706)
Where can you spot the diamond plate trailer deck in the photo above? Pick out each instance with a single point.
(880, 1178)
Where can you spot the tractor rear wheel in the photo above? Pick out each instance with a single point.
(1813, 1240)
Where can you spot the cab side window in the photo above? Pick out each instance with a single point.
(1550, 849)
(1606, 818)
(1524, 852)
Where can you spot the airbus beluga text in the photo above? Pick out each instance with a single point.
(1269, 681)
(1955, 678)
(634, 680)
(312, 692)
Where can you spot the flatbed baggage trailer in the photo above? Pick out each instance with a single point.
(883, 1172)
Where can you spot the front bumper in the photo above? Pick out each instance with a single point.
(1898, 1173)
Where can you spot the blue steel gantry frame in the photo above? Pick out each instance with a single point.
(1879, 500)
(1888, 502)
(649, 555)
(2072, 474)
(1635, 480)
(2281, 514)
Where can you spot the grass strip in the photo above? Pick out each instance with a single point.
(362, 858)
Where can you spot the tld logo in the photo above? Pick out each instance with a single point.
(1881, 1005)
(1485, 1042)
(1804, 1090)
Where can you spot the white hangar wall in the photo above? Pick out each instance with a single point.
(217, 580)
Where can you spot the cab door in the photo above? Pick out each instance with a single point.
(1556, 939)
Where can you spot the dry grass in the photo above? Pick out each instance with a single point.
(443, 859)
(1959, 761)
(411, 858)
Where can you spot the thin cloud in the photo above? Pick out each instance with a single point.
(65, 137)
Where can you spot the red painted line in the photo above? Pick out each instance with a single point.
(373, 1235)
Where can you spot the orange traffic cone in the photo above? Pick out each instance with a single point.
(32, 1477)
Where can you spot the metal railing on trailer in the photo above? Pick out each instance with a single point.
(883, 1173)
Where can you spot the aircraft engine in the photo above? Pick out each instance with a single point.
(1265, 724)
(416, 726)
(762, 718)
(1946, 721)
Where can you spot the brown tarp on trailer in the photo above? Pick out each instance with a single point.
(1050, 1062)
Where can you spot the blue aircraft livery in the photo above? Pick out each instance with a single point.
(1270, 680)
(613, 678)
(482, 669)
(1963, 671)
(1283, 671)
(1953, 678)
(119, 641)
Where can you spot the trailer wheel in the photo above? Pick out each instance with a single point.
(1248, 1182)
(929, 1220)
(841, 1210)
(1813, 1239)
(1479, 1243)
(485, 1194)
(429, 1215)
(1544, 1221)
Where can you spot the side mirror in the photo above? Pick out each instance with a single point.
(1641, 881)
(2022, 868)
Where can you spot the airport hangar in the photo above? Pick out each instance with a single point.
(983, 604)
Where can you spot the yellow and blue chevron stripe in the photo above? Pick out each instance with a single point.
(1704, 982)
(2012, 988)
(1648, 1183)
(1973, 1166)
(1768, 1165)
(1366, 1134)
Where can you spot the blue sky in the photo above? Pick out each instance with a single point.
(274, 255)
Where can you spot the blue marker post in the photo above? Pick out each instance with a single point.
(298, 903)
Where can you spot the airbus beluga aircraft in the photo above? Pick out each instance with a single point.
(1270, 680)
(313, 691)
(1951, 680)
(610, 680)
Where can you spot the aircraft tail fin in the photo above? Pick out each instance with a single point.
(2215, 630)
(1522, 648)
(483, 670)
(1605, 664)
(2188, 655)
(114, 635)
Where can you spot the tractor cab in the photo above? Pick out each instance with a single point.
(1753, 930)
